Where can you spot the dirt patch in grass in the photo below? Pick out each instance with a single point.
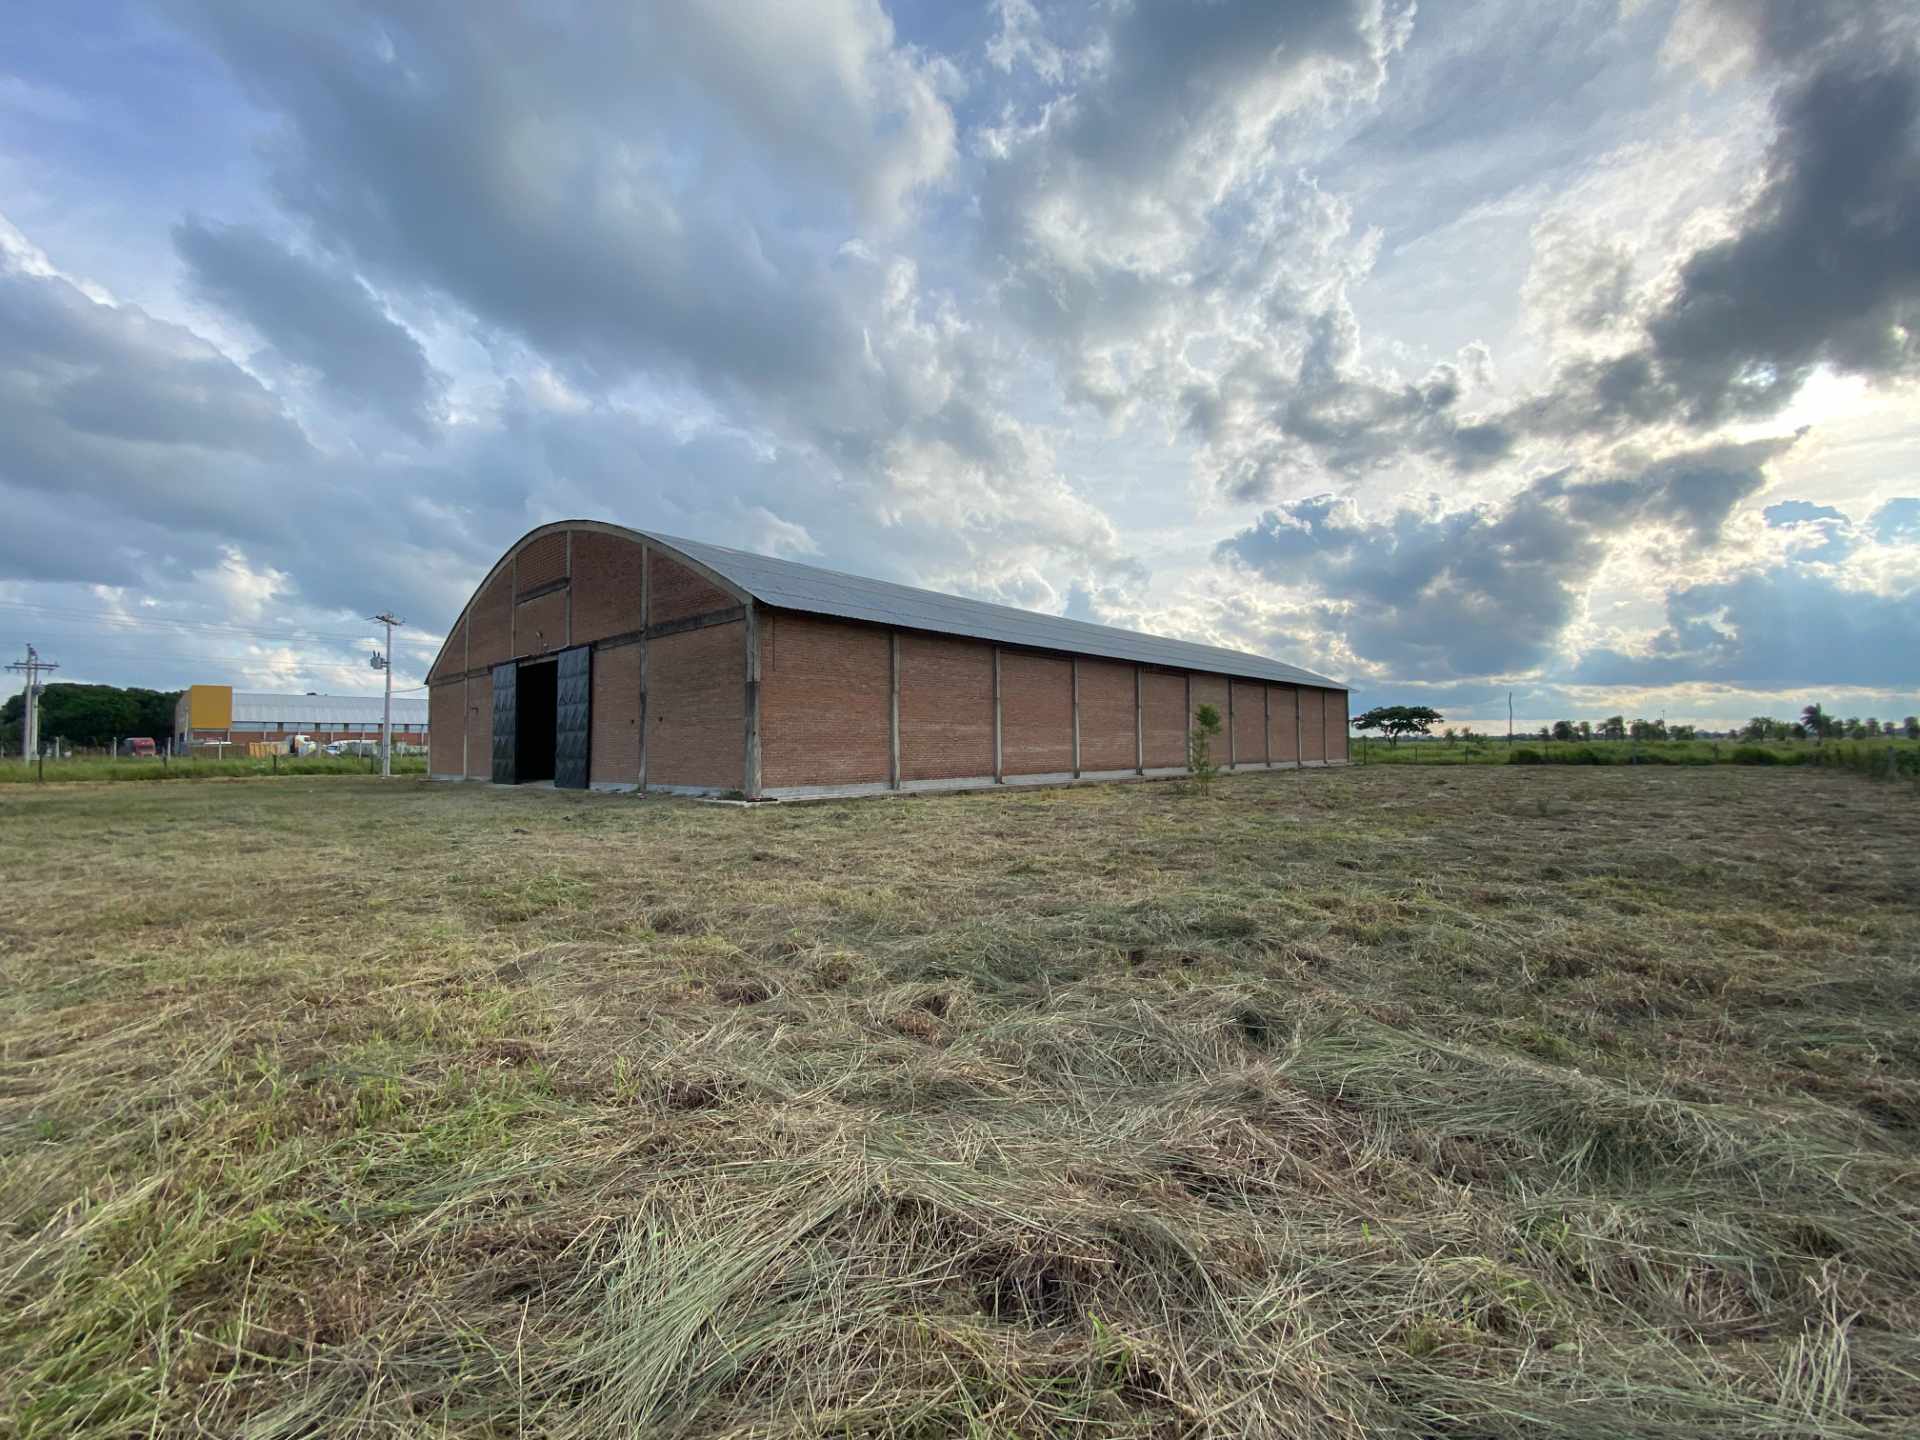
(1540, 1101)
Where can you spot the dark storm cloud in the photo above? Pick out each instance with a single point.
(1354, 424)
(1168, 67)
(58, 539)
(317, 316)
(137, 455)
(1779, 629)
(1269, 426)
(659, 197)
(1824, 265)
(105, 400)
(529, 169)
(1485, 590)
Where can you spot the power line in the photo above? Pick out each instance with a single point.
(116, 620)
(196, 657)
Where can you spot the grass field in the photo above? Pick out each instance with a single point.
(96, 768)
(1479, 1101)
(1879, 758)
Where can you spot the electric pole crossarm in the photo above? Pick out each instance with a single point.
(31, 667)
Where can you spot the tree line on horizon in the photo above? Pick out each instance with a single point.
(1814, 723)
(90, 715)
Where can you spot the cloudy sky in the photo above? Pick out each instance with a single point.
(1563, 349)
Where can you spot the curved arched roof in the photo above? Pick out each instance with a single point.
(789, 585)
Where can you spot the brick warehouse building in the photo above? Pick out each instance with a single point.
(596, 655)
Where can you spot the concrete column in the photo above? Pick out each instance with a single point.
(646, 614)
(893, 702)
(1075, 663)
(750, 760)
(999, 775)
(1139, 727)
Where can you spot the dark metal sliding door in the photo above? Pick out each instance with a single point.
(506, 730)
(573, 719)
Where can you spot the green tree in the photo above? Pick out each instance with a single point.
(1614, 727)
(1853, 729)
(1393, 721)
(1564, 730)
(1819, 724)
(1200, 737)
(1912, 726)
(1586, 729)
(91, 714)
(1682, 732)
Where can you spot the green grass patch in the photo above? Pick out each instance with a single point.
(180, 768)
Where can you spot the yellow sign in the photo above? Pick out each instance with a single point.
(210, 707)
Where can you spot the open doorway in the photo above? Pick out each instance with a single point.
(533, 745)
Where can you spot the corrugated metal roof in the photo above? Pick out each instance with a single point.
(793, 586)
(323, 712)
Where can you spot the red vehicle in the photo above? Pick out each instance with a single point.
(141, 747)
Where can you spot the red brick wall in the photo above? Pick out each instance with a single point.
(540, 626)
(1249, 722)
(606, 586)
(1036, 714)
(613, 749)
(541, 561)
(825, 701)
(1336, 724)
(1106, 715)
(488, 621)
(452, 659)
(1164, 700)
(1313, 723)
(946, 708)
(696, 703)
(447, 726)
(1212, 690)
(1283, 724)
(675, 592)
(480, 726)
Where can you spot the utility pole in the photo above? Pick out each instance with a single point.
(385, 662)
(30, 720)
